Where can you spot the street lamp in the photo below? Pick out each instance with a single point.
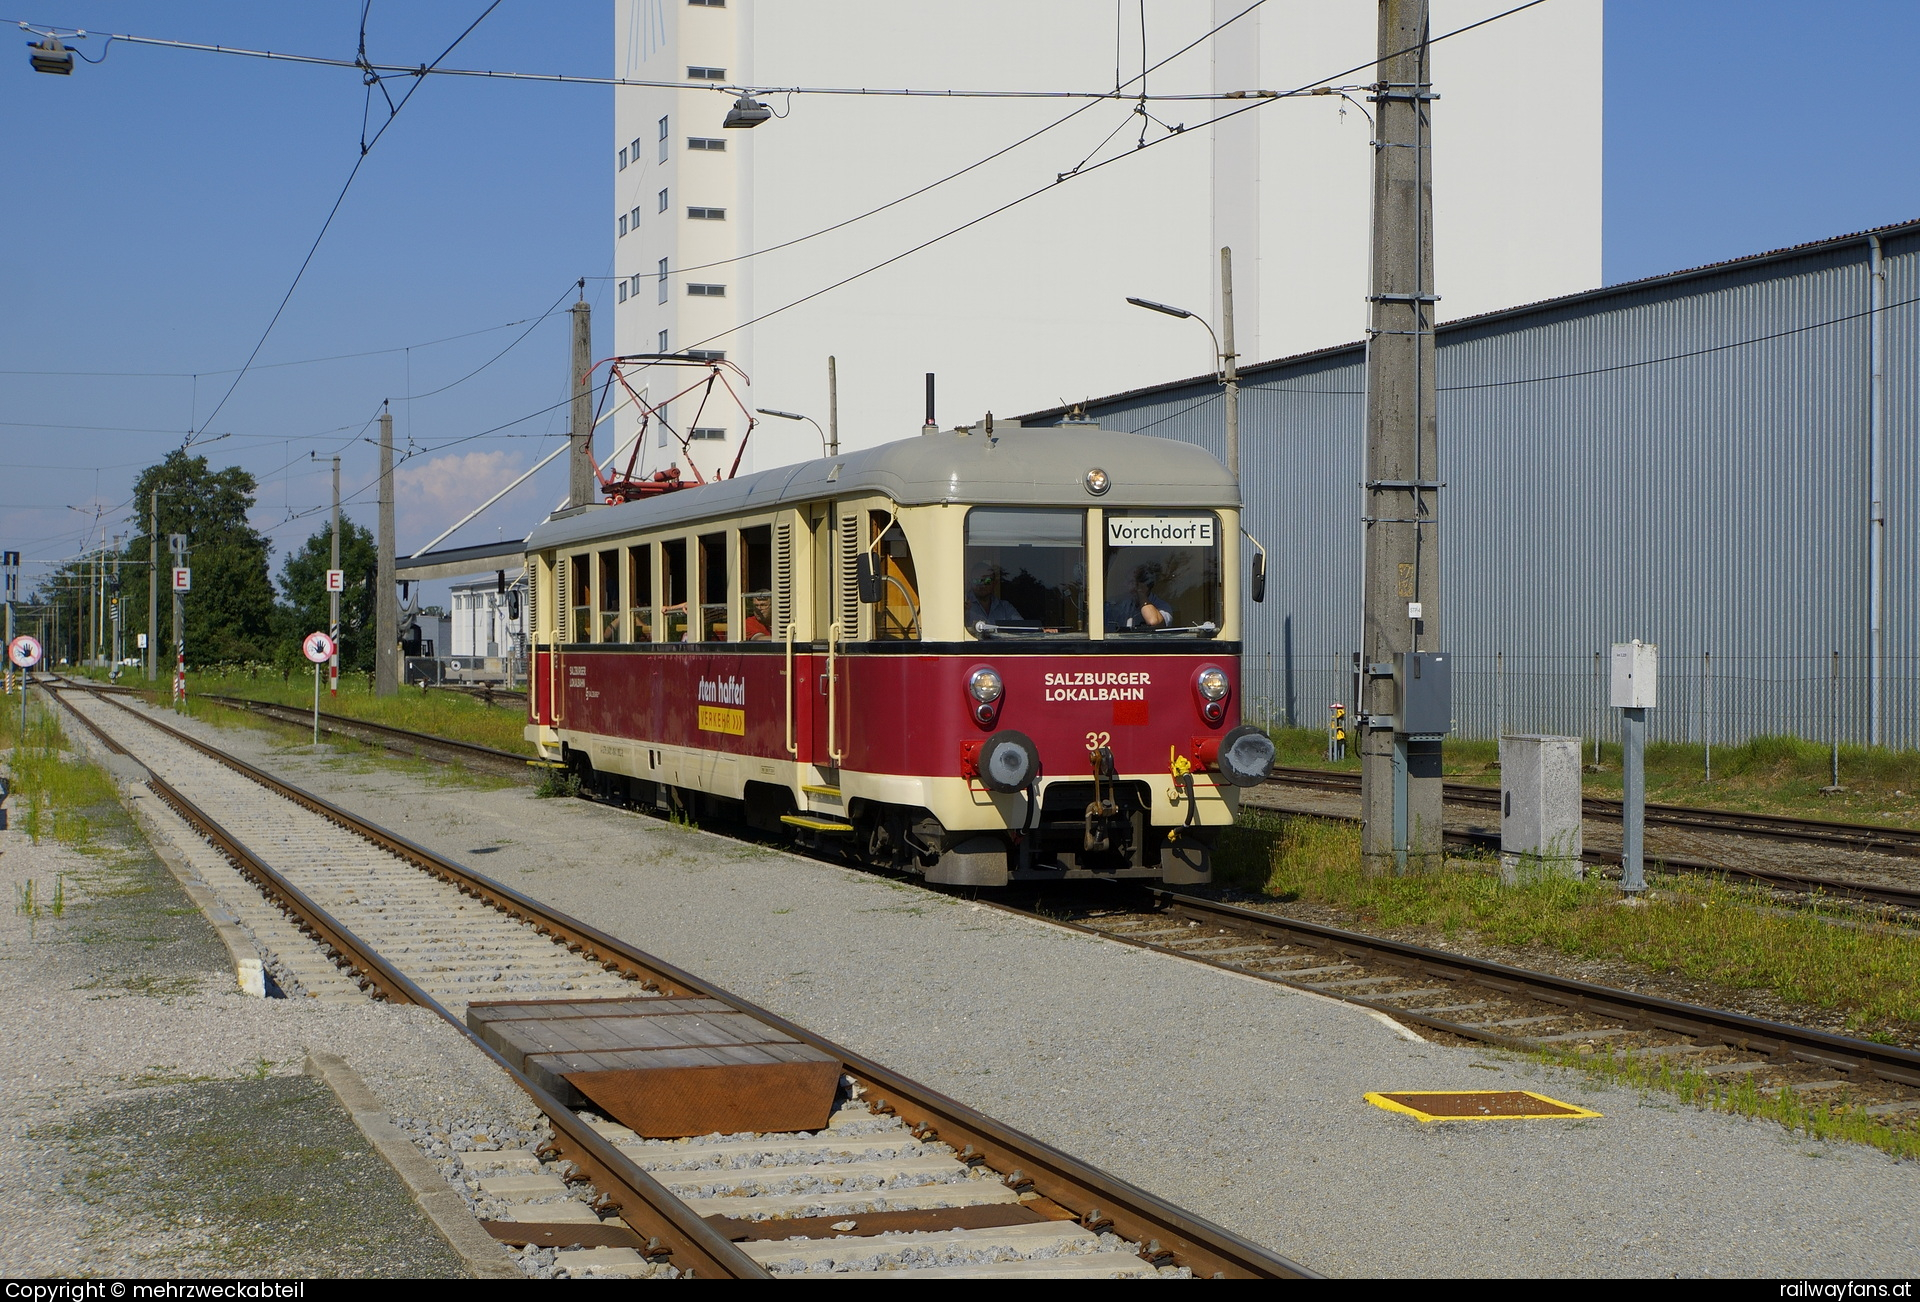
(794, 415)
(1229, 368)
(747, 112)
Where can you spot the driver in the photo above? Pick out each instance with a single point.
(983, 605)
(1138, 606)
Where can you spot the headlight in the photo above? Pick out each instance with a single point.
(985, 686)
(1212, 683)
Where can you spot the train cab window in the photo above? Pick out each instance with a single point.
(1026, 573)
(607, 627)
(897, 617)
(673, 589)
(640, 592)
(581, 601)
(713, 588)
(1163, 575)
(756, 584)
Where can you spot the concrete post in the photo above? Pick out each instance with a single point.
(1230, 364)
(333, 598)
(153, 588)
(582, 478)
(386, 617)
(1400, 611)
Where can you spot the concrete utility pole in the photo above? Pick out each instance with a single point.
(833, 408)
(1230, 364)
(386, 617)
(153, 588)
(1400, 778)
(582, 478)
(177, 544)
(333, 598)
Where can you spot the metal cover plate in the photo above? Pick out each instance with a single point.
(1475, 1105)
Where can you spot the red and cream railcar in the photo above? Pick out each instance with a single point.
(977, 655)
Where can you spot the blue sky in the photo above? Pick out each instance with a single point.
(157, 207)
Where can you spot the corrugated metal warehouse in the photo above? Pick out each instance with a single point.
(1687, 459)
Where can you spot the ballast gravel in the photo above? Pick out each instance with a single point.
(1237, 1100)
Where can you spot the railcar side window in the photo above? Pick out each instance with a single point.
(897, 618)
(640, 592)
(609, 623)
(713, 588)
(673, 588)
(582, 597)
(756, 583)
(1026, 573)
(1163, 574)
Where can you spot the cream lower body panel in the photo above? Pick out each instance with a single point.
(961, 804)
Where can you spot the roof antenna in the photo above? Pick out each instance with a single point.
(929, 427)
(991, 440)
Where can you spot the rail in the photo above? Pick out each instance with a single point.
(1092, 1196)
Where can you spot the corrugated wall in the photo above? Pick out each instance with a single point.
(1683, 461)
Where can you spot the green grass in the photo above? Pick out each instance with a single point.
(442, 714)
(1703, 929)
(1821, 1118)
(55, 793)
(1700, 928)
(1777, 775)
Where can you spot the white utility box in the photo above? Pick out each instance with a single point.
(1636, 675)
(1539, 808)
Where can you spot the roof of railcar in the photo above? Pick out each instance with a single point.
(1019, 466)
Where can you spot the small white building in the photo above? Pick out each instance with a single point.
(486, 622)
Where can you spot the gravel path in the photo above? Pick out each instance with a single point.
(1231, 1097)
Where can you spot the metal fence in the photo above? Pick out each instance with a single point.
(1703, 698)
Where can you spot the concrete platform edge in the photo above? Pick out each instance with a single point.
(130, 786)
(478, 1251)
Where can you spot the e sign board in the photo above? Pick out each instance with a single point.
(182, 579)
(336, 580)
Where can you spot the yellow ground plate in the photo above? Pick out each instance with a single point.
(1475, 1105)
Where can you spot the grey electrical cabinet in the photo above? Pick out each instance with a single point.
(1540, 807)
(1426, 694)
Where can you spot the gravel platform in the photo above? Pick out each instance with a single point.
(156, 1121)
(1236, 1099)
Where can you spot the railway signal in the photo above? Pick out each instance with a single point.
(24, 651)
(318, 647)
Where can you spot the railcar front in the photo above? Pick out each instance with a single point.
(979, 656)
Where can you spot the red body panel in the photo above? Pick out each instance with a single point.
(896, 714)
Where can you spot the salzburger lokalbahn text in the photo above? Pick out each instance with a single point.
(977, 655)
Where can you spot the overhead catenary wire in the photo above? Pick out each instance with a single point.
(366, 146)
(269, 366)
(383, 71)
(1266, 98)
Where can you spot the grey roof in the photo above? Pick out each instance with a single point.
(1018, 466)
(1517, 313)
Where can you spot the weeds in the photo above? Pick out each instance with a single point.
(557, 783)
(1701, 928)
(1820, 1119)
(31, 902)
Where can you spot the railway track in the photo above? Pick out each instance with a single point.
(1480, 1000)
(901, 1178)
(1901, 841)
(1798, 883)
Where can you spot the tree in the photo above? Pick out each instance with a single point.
(303, 583)
(230, 612)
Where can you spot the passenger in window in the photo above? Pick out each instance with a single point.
(984, 605)
(758, 624)
(1138, 606)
